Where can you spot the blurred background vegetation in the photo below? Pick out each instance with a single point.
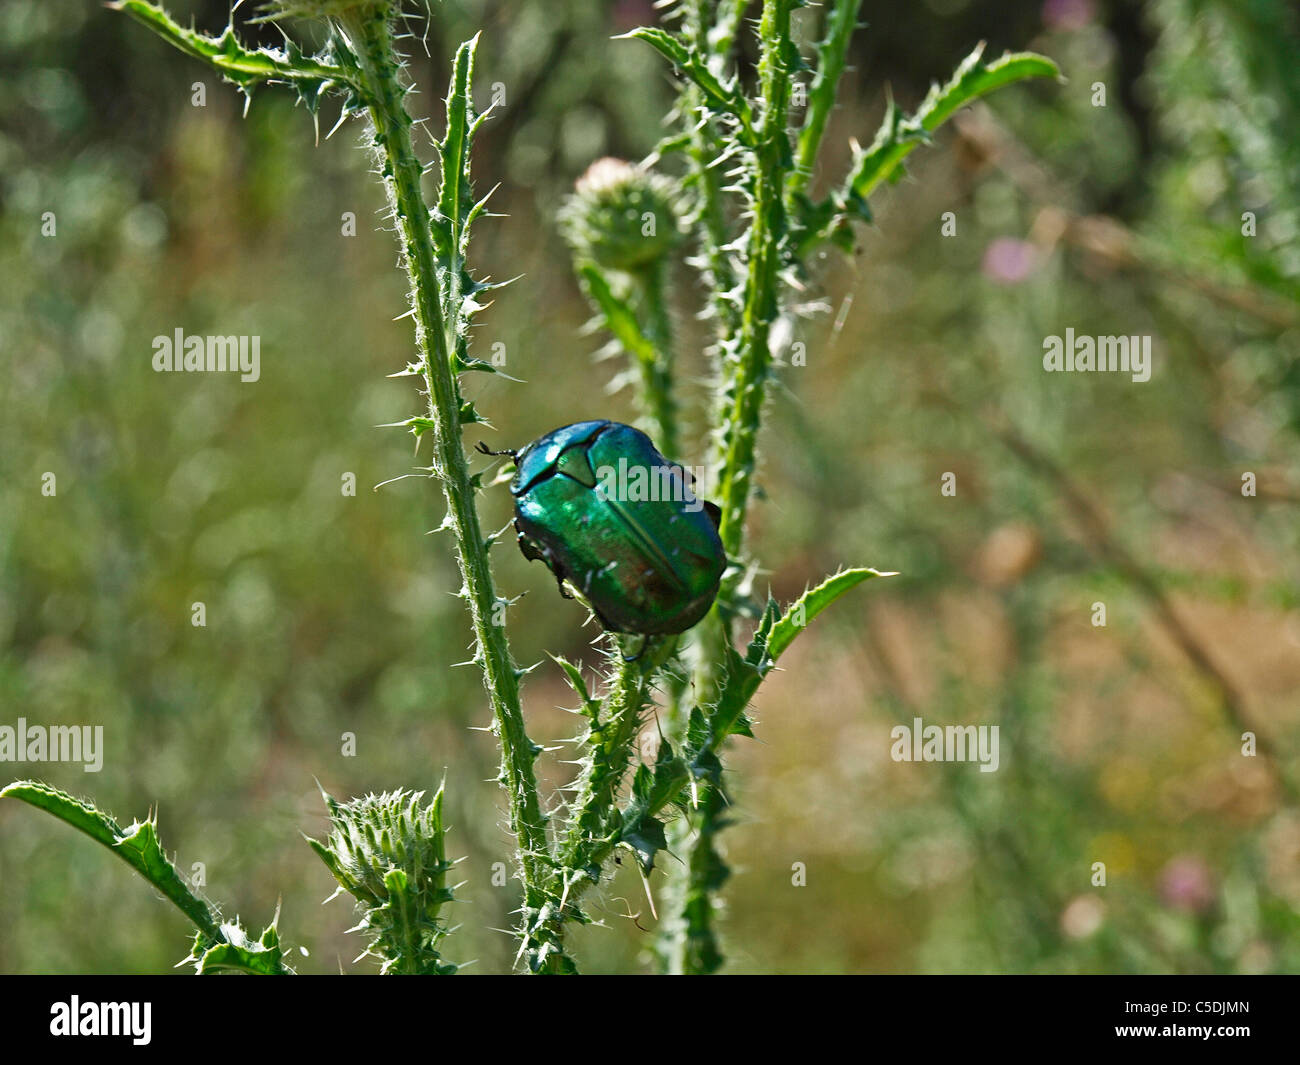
(328, 614)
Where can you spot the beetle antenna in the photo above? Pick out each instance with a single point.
(482, 447)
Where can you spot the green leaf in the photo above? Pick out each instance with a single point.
(137, 845)
(245, 67)
(832, 55)
(663, 42)
(697, 729)
(646, 840)
(727, 97)
(455, 200)
(643, 782)
(773, 636)
(973, 78)
(831, 218)
(590, 706)
(812, 603)
(417, 424)
(672, 774)
(741, 678)
(757, 649)
(238, 953)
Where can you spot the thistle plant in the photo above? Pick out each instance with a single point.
(732, 183)
(755, 226)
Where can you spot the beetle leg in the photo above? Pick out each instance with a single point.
(527, 549)
(535, 554)
(645, 643)
(604, 623)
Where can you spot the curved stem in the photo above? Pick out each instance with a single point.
(657, 373)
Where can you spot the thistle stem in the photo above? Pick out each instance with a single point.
(371, 37)
(612, 742)
(706, 145)
(689, 943)
(745, 391)
(656, 373)
(595, 822)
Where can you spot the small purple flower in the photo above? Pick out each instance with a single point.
(1187, 884)
(1008, 261)
(1067, 14)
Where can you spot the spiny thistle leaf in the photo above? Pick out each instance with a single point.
(281, 9)
(773, 636)
(725, 96)
(455, 198)
(238, 953)
(972, 79)
(646, 839)
(137, 845)
(652, 790)
(812, 603)
(242, 66)
(454, 214)
(899, 134)
(832, 56)
(590, 706)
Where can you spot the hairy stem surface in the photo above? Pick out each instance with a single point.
(371, 37)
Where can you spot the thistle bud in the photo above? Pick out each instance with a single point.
(388, 852)
(621, 217)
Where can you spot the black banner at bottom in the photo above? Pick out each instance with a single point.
(1229, 1015)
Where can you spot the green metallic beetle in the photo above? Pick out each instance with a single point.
(618, 522)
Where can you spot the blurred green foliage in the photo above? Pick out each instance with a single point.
(329, 614)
